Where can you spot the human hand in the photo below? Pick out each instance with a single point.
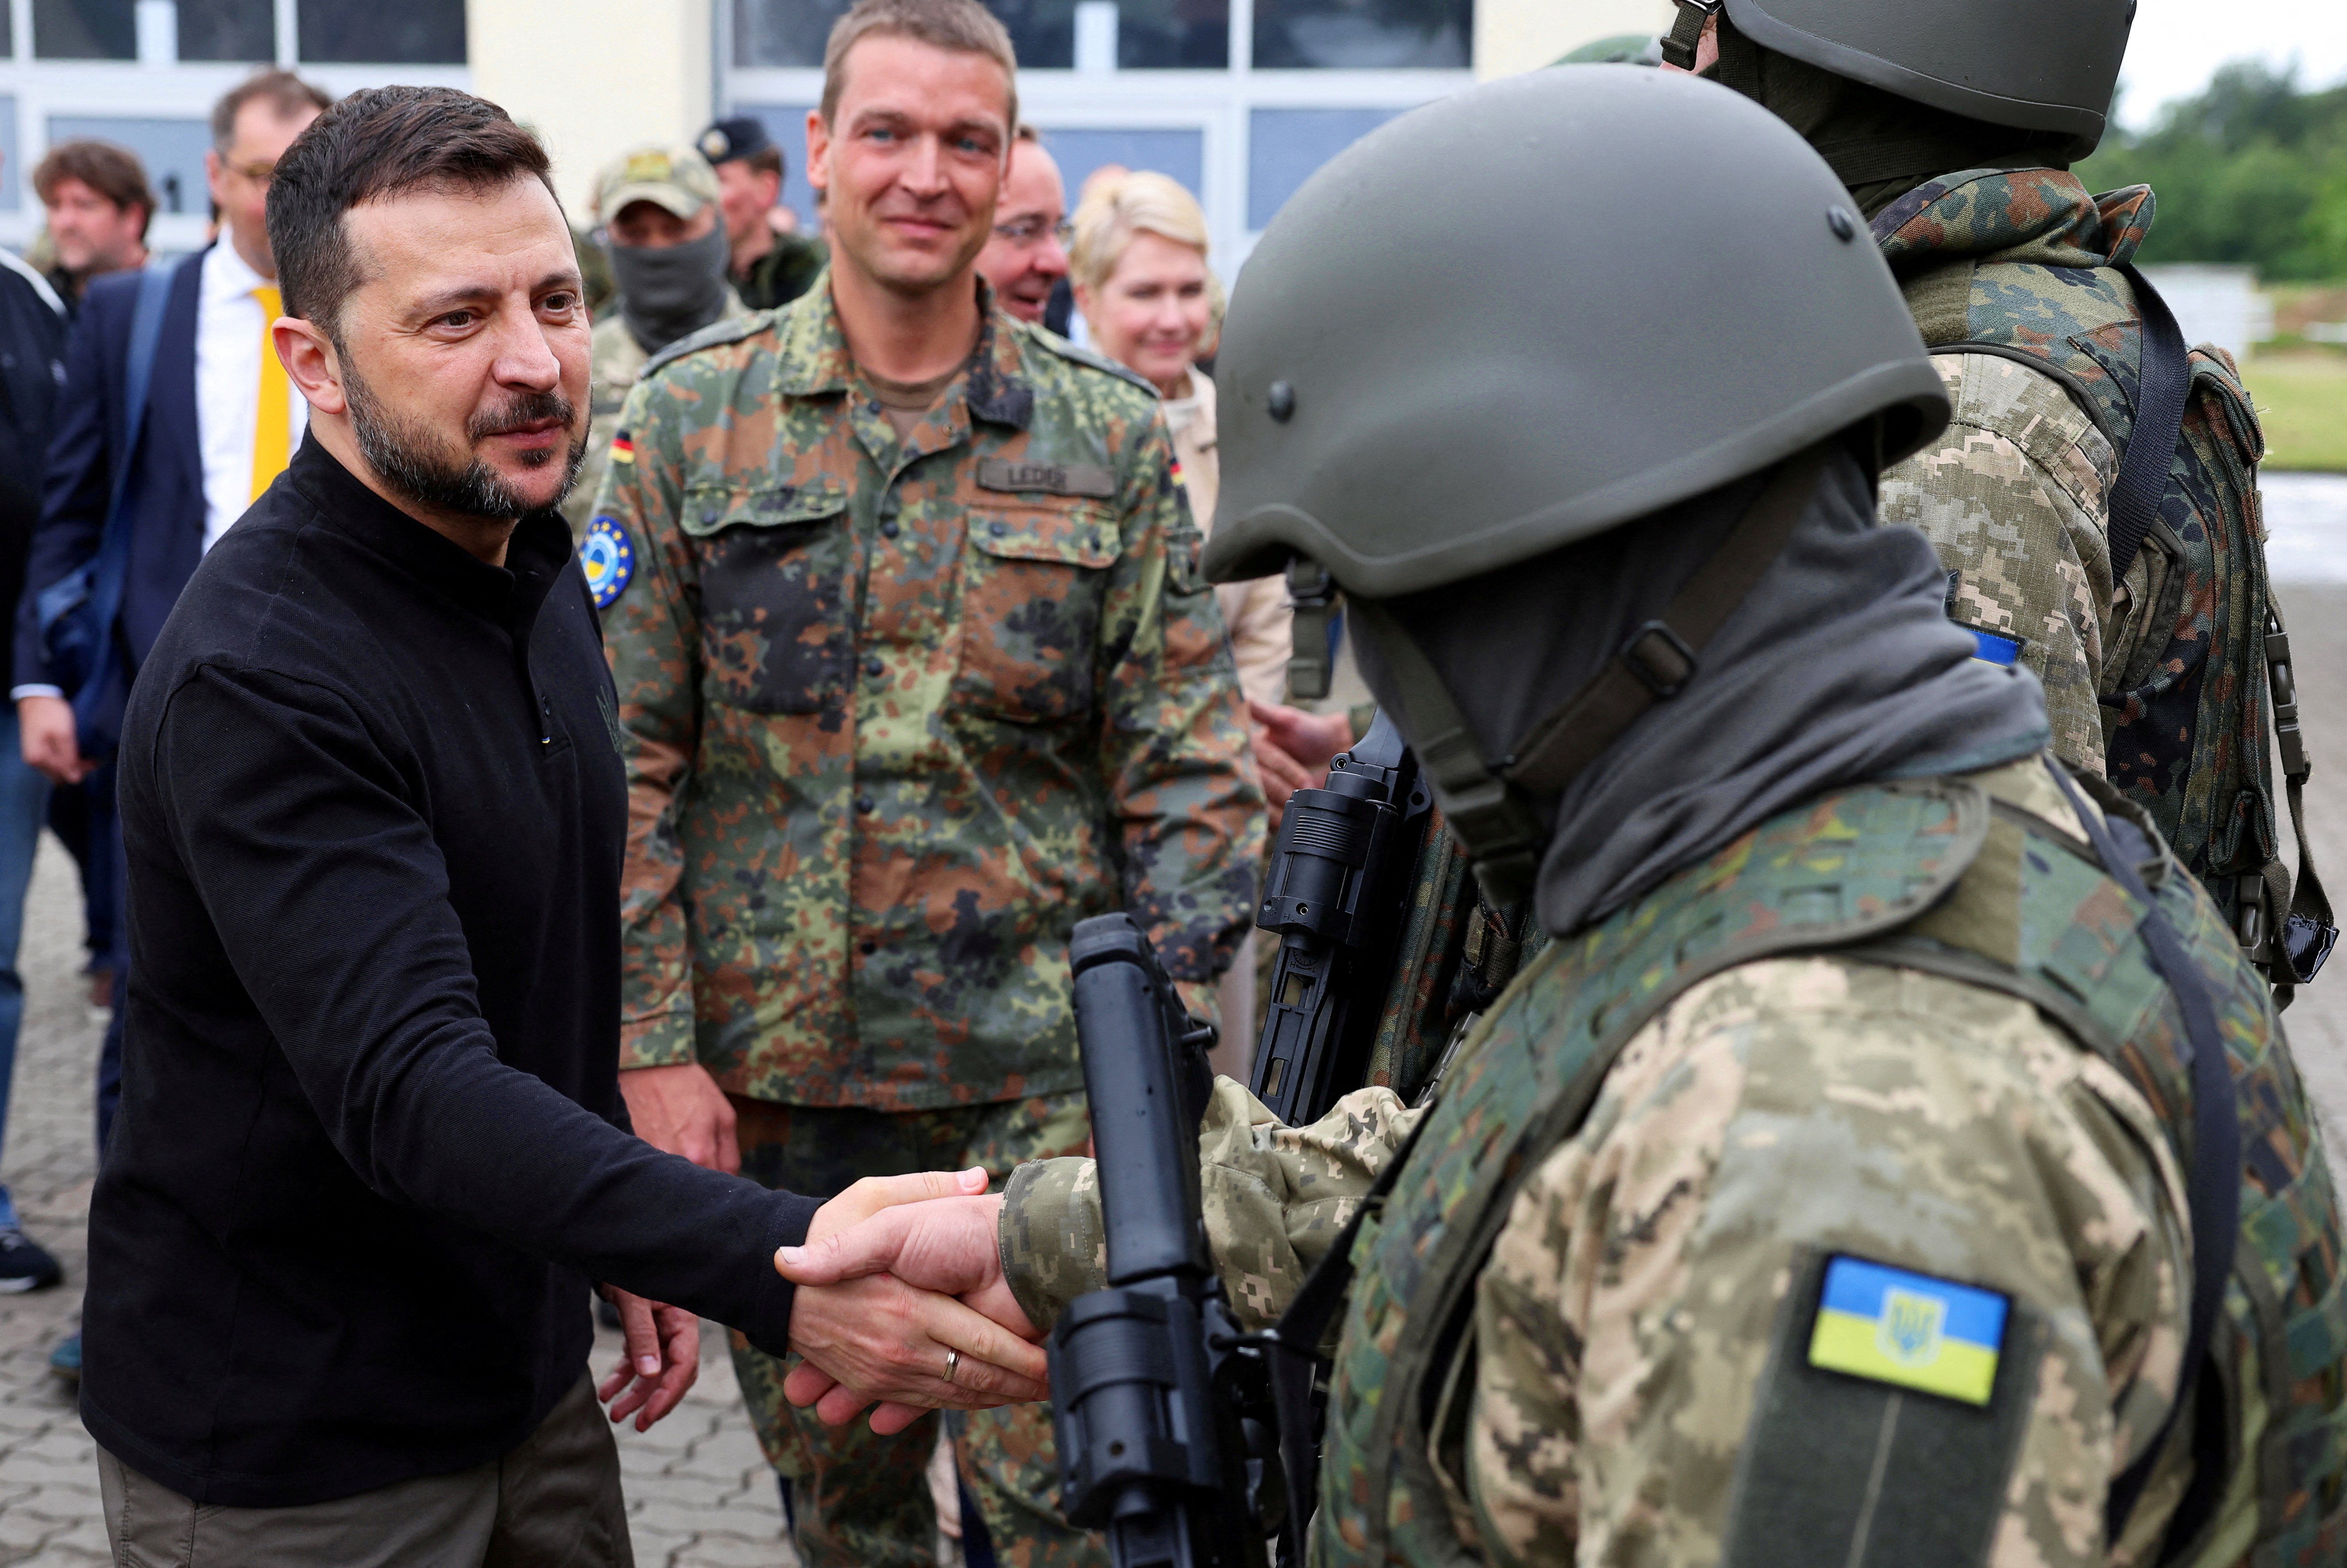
(946, 1246)
(662, 1361)
(44, 729)
(1293, 749)
(679, 1110)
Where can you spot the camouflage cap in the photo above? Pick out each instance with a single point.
(676, 179)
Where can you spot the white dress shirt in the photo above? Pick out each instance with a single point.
(228, 323)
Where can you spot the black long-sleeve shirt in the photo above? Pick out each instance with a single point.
(371, 1147)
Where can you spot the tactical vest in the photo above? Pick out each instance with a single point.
(2190, 705)
(1931, 875)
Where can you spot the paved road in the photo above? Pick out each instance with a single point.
(699, 1492)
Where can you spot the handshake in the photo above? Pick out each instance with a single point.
(902, 1304)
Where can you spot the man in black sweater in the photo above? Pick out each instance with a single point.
(372, 1149)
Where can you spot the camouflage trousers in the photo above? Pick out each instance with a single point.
(857, 1499)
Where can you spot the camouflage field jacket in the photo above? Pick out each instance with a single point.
(897, 715)
(2016, 495)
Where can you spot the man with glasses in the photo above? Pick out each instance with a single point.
(1026, 257)
(220, 423)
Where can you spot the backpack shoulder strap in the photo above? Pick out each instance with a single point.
(2164, 382)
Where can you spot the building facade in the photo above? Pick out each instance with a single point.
(1238, 99)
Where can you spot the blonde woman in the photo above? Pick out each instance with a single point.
(1139, 268)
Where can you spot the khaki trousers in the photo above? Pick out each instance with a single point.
(552, 1503)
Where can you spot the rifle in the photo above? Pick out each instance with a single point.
(1334, 893)
(1155, 1391)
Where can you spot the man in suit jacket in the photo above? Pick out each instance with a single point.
(220, 423)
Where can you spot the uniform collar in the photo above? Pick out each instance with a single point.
(2044, 217)
(813, 359)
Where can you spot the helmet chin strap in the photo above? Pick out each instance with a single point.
(1679, 42)
(1489, 805)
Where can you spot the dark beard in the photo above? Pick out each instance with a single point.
(414, 463)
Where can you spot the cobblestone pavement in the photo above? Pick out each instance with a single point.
(699, 1492)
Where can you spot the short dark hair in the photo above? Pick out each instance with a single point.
(283, 91)
(766, 160)
(373, 146)
(114, 172)
(958, 27)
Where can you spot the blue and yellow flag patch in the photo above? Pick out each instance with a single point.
(1996, 647)
(1910, 1330)
(608, 559)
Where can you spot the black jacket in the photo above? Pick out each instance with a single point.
(32, 366)
(371, 1147)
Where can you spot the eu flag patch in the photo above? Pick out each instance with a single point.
(608, 559)
(1996, 647)
(1889, 1325)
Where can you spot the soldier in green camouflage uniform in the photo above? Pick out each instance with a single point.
(911, 679)
(1826, 1190)
(682, 185)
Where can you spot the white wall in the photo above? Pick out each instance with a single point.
(594, 78)
(1513, 36)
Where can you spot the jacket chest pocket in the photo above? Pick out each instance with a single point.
(775, 633)
(1033, 580)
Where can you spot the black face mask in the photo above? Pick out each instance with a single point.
(670, 291)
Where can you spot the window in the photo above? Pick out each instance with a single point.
(172, 149)
(1180, 154)
(229, 29)
(1174, 34)
(84, 30)
(1286, 147)
(1363, 35)
(1151, 35)
(782, 32)
(405, 33)
(11, 197)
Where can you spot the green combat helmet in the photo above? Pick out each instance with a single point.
(1978, 58)
(1374, 402)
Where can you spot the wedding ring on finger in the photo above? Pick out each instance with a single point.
(953, 1361)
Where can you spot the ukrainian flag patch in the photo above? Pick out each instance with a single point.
(1996, 647)
(1910, 1331)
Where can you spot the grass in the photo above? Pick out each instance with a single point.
(2301, 400)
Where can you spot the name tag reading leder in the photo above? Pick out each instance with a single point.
(1050, 478)
(1910, 1330)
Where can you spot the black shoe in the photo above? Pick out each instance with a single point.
(22, 1264)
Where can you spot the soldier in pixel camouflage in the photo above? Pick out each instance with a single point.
(1953, 127)
(1872, 1169)
(916, 668)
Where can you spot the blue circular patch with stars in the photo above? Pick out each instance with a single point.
(609, 560)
